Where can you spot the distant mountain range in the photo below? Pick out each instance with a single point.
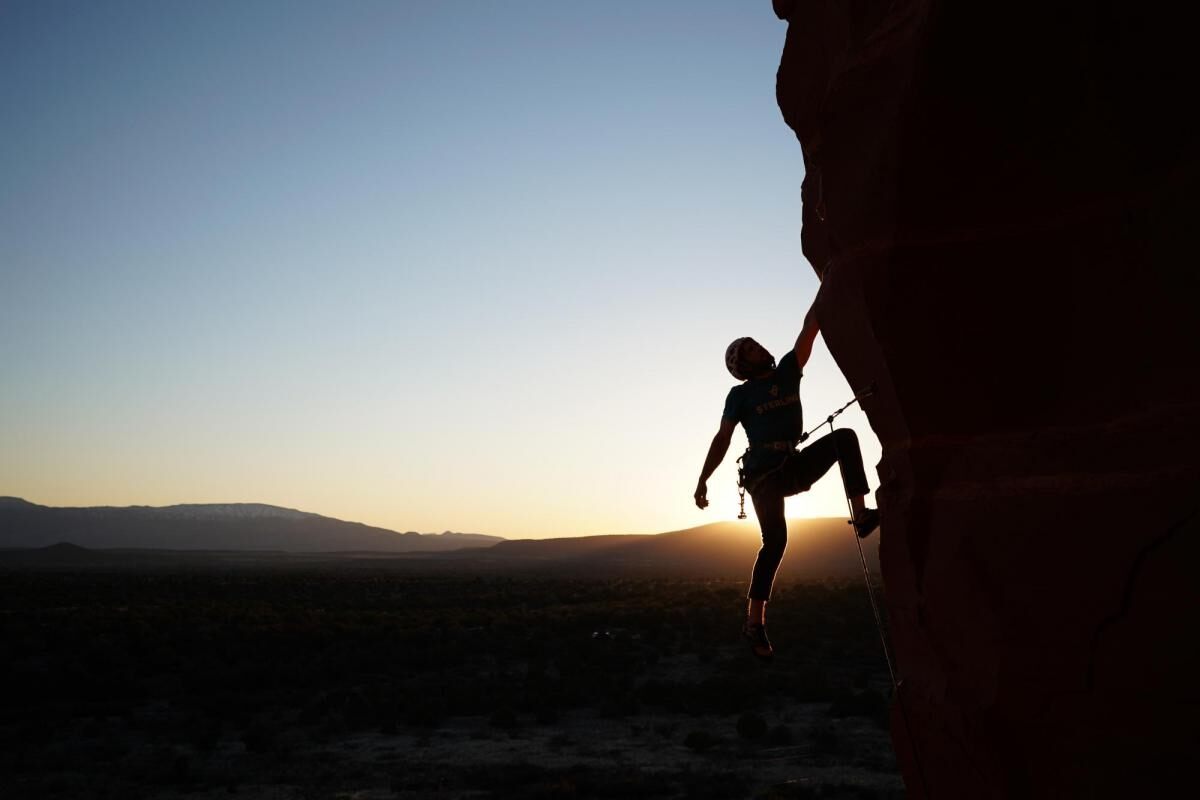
(221, 526)
(817, 548)
(253, 534)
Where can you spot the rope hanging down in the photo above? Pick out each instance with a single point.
(887, 653)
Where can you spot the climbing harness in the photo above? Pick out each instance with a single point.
(746, 482)
(757, 479)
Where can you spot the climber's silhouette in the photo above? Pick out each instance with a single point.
(767, 404)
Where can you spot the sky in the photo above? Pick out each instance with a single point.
(463, 266)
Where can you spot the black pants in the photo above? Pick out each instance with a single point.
(797, 474)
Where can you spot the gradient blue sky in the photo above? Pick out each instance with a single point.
(429, 266)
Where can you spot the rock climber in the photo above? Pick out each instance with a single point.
(767, 404)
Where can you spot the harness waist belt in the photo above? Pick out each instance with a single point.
(786, 445)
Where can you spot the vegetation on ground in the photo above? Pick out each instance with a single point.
(127, 683)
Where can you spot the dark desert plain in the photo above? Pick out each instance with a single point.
(556, 668)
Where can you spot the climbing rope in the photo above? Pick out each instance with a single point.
(887, 652)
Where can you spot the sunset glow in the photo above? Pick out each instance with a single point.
(424, 266)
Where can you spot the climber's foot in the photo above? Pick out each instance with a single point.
(865, 522)
(760, 645)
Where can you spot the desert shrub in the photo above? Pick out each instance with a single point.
(358, 710)
(665, 729)
(699, 741)
(332, 725)
(547, 715)
(518, 779)
(717, 787)
(868, 704)
(259, 736)
(810, 684)
(619, 706)
(791, 791)
(825, 740)
(169, 765)
(751, 726)
(503, 718)
(727, 694)
(202, 731)
(779, 736)
(626, 784)
(425, 713)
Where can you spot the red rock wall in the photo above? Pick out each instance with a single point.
(1002, 203)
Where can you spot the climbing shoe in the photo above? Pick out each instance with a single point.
(866, 522)
(760, 645)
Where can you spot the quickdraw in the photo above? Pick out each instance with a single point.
(741, 488)
(756, 480)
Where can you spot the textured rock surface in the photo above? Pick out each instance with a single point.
(1002, 203)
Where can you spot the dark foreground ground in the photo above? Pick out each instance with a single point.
(318, 682)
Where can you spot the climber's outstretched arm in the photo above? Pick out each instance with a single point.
(808, 334)
(716, 454)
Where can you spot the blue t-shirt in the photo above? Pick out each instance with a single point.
(768, 409)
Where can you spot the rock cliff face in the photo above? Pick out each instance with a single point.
(1001, 201)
